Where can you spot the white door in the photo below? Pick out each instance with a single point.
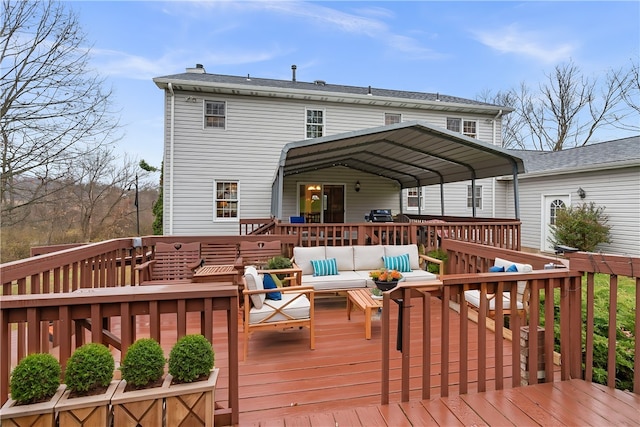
(550, 209)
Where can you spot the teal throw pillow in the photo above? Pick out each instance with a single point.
(496, 269)
(324, 267)
(269, 283)
(512, 269)
(400, 263)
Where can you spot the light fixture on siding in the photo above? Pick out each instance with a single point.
(357, 186)
(581, 193)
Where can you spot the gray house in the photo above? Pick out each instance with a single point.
(246, 147)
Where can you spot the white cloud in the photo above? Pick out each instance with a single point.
(512, 39)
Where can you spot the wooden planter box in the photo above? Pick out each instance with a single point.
(35, 415)
(191, 404)
(186, 404)
(86, 411)
(142, 408)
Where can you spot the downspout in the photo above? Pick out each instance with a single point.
(441, 196)
(493, 180)
(171, 152)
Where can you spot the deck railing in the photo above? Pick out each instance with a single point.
(468, 264)
(420, 229)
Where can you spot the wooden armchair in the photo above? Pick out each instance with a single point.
(294, 309)
(172, 261)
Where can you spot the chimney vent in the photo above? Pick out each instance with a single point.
(293, 72)
(319, 83)
(199, 69)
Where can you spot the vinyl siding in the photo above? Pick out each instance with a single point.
(249, 148)
(618, 190)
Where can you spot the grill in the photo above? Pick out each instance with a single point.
(379, 215)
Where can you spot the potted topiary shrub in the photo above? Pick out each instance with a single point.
(88, 378)
(35, 389)
(193, 380)
(139, 398)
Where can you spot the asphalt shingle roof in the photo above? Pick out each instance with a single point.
(616, 151)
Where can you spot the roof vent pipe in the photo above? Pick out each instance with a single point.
(369, 92)
(293, 72)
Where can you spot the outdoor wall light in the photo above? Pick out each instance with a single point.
(582, 193)
(357, 186)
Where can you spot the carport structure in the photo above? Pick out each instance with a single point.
(415, 154)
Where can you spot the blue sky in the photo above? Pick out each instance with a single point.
(451, 47)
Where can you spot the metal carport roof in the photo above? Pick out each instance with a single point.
(414, 154)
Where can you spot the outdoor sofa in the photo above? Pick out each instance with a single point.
(339, 268)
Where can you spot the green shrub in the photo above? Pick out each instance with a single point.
(89, 367)
(278, 263)
(35, 379)
(143, 363)
(191, 358)
(582, 226)
(437, 254)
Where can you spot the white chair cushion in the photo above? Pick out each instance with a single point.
(412, 250)
(299, 309)
(522, 268)
(343, 256)
(303, 256)
(344, 280)
(368, 257)
(254, 282)
(473, 298)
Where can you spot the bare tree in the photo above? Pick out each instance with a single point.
(53, 108)
(568, 108)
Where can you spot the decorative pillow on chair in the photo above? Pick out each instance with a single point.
(324, 267)
(496, 269)
(512, 269)
(254, 282)
(269, 283)
(400, 263)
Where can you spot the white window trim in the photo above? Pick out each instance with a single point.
(480, 199)
(384, 116)
(462, 120)
(420, 199)
(215, 215)
(324, 121)
(204, 114)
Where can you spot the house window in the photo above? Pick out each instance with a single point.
(214, 114)
(556, 206)
(315, 123)
(478, 196)
(413, 197)
(465, 127)
(391, 118)
(226, 199)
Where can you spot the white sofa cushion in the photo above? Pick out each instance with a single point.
(343, 256)
(412, 250)
(298, 309)
(254, 282)
(368, 257)
(303, 257)
(344, 280)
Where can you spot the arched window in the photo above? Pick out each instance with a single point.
(555, 206)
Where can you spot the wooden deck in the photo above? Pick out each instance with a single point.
(282, 382)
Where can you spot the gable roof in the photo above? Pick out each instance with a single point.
(199, 81)
(604, 155)
(411, 153)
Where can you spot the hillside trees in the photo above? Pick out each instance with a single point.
(568, 108)
(54, 108)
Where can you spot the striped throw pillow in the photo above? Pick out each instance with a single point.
(400, 263)
(324, 267)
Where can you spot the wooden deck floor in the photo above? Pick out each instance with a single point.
(284, 383)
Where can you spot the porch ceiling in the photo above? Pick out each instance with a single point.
(410, 153)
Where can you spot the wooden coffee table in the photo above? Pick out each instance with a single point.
(362, 299)
(216, 273)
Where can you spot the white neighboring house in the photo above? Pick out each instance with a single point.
(224, 137)
(606, 173)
